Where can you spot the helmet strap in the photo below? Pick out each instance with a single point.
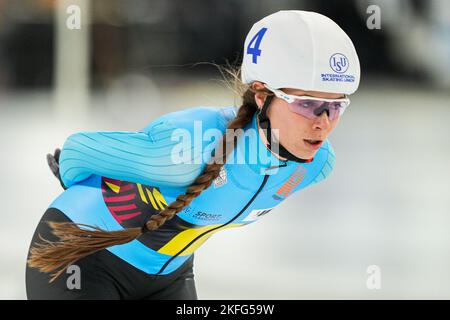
(264, 123)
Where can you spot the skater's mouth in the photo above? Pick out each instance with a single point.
(313, 144)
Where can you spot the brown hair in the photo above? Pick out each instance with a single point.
(75, 243)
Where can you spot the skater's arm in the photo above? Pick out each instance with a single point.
(145, 157)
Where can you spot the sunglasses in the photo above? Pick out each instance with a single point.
(312, 107)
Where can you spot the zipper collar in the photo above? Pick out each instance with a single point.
(252, 152)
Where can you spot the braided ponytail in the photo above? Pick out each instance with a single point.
(75, 243)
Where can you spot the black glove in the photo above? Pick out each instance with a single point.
(53, 163)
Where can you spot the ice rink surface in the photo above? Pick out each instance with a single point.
(387, 202)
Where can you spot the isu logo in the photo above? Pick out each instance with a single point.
(293, 181)
(339, 63)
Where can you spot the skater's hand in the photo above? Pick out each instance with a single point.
(53, 163)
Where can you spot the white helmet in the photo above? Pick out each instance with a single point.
(301, 50)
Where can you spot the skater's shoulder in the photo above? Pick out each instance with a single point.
(205, 116)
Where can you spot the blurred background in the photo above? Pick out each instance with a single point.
(386, 203)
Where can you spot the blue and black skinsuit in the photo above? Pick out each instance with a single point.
(117, 180)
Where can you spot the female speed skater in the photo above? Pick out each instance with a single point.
(138, 204)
